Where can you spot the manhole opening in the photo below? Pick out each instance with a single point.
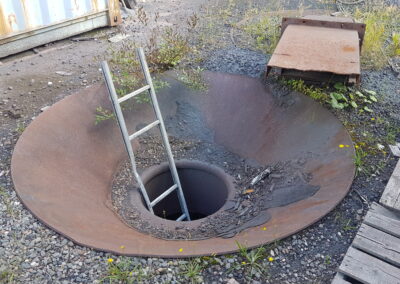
(204, 188)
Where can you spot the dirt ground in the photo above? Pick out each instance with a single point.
(31, 81)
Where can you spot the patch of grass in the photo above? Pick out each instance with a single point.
(313, 92)
(211, 260)
(169, 52)
(263, 27)
(192, 270)
(103, 114)
(7, 277)
(338, 97)
(6, 200)
(252, 259)
(394, 47)
(122, 270)
(328, 260)
(391, 133)
(343, 222)
(381, 38)
(347, 227)
(160, 84)
(20, 128)
(193, 79)
(359, 160)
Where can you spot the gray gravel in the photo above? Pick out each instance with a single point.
(236, 60)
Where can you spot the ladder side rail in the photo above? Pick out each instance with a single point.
(124, 130)
(164, 134)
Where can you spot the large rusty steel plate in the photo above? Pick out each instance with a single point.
(63, 164)
(319, 49)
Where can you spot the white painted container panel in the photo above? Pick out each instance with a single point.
(18, 16)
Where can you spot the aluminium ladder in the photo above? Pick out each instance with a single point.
(159, 122)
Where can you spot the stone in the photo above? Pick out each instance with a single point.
(395, 149)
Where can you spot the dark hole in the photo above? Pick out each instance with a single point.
(351, 280)
(205, 193)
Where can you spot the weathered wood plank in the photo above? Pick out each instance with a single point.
(391, 195)
(379, 209)
(339, 279)
(367, 269)
(383, 223)
(378, 243)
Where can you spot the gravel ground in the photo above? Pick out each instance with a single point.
(31, 253)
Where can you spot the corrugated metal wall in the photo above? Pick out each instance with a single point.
(18, 16)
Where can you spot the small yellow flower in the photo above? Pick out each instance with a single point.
(243, 262)
(264, 228)
(270, 259)
(122, 247)
(357, 146)
(110, 260)
(347, 146)
(181, 250)
(341, 146)
(372, 118)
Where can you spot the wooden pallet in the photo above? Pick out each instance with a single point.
(391, 195)
(374, 255)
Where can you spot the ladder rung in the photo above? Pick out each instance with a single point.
(182, 217)
(144, 129)
(131, 95)
(163, 195)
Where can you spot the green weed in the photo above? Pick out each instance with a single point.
(313, 92)
(381, 38)
(6, 200)
(343, 222)
(20, 128)
(192, 270)
(252, 259)
(328, 260)
(263, 27)
(7, 277)
(193, 79)
(359, 160)
(391, 133)
(123, 271)
(340, 97)
(103, 114)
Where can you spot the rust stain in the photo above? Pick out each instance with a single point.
(28, 20)
(4, 27)
(12, 19)
(95, 5)
(114, 13)
(348, 48)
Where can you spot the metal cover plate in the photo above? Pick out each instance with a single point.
(321, 49)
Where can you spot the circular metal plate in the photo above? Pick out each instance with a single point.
(63, 164)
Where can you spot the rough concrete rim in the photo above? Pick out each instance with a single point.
(149, 173)
(56, 164)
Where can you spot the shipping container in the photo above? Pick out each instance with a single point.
(25, 24)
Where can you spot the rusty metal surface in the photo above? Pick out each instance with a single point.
(63, 164)
(326, 22)
(308, 48)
